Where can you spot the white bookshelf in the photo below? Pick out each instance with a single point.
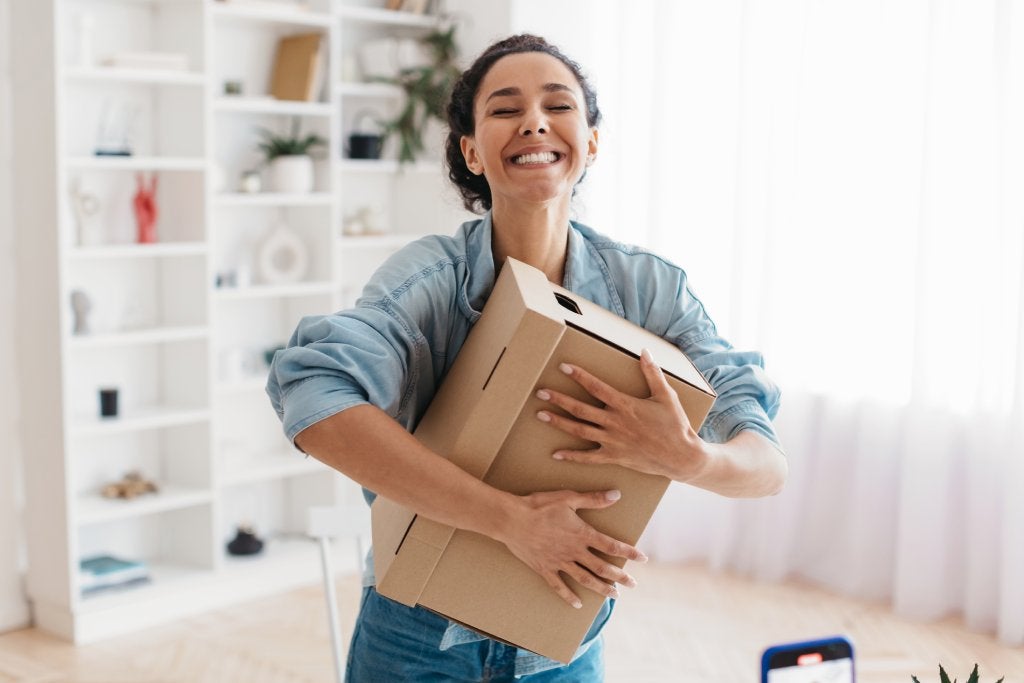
(186, 348)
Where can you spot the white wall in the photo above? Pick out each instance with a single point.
(13, 608)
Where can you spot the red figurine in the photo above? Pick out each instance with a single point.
(145, 209)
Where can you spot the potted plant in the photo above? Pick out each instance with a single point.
(427, 89)
(288, 158)
(944, 677)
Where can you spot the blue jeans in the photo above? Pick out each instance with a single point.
(392, 643)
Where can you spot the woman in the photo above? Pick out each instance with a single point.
(351, 386)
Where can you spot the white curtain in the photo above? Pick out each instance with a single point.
(843, 180)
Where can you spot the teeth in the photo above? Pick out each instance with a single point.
(538, 158)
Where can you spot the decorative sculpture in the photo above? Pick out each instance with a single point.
(144, 204)
(81, 304)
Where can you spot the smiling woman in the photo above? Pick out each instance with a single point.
(351, 386)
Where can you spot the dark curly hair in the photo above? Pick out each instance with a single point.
(476, 193)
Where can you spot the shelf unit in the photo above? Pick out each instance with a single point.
(184, 327)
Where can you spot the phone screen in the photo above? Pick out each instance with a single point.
(824, 661)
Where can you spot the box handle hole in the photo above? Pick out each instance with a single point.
(566, 302)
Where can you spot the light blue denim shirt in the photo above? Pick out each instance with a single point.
(393, 349)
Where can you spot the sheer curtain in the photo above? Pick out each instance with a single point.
(844, 183)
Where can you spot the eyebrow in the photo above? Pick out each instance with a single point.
(513, 91)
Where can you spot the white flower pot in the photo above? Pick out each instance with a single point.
(292, 174)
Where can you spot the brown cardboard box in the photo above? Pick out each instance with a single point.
(483, 418)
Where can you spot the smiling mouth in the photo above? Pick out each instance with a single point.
(536, 158)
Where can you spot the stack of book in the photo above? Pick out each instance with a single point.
(106, 572)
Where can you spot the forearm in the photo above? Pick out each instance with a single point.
(746, 466)
(366, 445)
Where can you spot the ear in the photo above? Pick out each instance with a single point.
(471, 155)
(592, 146)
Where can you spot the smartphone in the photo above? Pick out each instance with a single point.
(828, 660)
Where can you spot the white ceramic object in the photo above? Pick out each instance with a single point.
(292, 174)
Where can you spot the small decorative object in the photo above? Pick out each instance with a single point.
(944, 677)
(85, 206)
(224, 279)
(144, 204)
(282, 257)
(366, 220)
(427, 89)
(245, 542)
(81, 305)
(131, 486)
(108, 402)
(251, 182)
(291, 167)
(233, 87)
(116, 126)
(362, 143)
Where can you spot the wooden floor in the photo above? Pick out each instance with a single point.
(683, 623)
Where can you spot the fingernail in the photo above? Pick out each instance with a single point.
(630, 581)
(557, 456)
(577, 604)
(613, 495)
(642, 558)
(543, 395)
(646, 355)
(564, 367)
(543, 417)
(613, 594)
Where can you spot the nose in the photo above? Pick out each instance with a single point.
(534, 123)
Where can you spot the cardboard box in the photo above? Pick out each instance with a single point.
(483, 418)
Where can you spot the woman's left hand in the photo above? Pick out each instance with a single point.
(651, 435)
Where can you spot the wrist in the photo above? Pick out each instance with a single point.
(697, 462)
(497, 515)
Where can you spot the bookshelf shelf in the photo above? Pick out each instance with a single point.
(94, 509)
(373, 15)
(270, 13)
(269, 105)
(139, 419)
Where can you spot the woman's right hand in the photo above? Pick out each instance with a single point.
(546, 533)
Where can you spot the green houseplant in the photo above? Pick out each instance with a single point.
(288, 158)
(944, 677)
(427, 89)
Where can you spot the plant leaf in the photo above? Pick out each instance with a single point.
(943, 677)
(974, 675)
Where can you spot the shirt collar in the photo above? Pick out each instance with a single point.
(585, 272)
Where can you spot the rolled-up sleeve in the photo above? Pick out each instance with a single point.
(747, 397)
(333, 362)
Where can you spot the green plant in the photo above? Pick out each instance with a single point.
(944, 677)
(427, 89)
(275, 145)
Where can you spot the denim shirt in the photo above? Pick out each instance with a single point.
(393, 349)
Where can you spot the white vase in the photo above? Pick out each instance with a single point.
(292, 174)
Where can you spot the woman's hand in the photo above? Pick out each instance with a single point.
(548, 535)
(652, 435)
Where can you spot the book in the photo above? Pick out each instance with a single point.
(106, 571)
(298, 64)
